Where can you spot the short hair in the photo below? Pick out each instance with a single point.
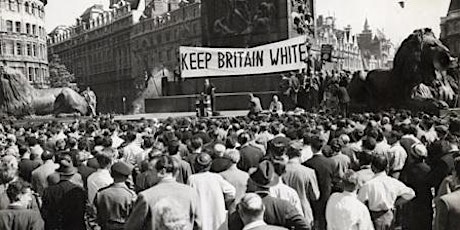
(293, 152)
(169, 215)
(107, 142)
(167, 163)
(47, 155)
(131, 136)
(369, 143)
(350, 180)
(317, 142)
(17, 188)
(364, 158)
(380, 163)
(103, 160)
(251, 205)
(244, 138)
(233, 155)
(196, 142)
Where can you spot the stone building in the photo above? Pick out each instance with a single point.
(97, 51)
(450, 28)
(23, 38)
(375, 47)
(346, 54)
(156, 39)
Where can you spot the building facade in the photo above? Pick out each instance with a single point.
(346, 54)
(376, 48)
(156, 39)
(97, 51)
(450, 28)
(116, 52)
(23, 38)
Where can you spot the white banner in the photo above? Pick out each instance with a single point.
(280, 56)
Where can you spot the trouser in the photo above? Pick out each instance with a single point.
(382, 220)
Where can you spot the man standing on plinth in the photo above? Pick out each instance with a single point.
(209, 90)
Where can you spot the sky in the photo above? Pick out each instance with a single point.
(385, 15)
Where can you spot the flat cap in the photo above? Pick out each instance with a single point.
(122, 168)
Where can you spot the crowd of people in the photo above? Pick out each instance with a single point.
(270, 171)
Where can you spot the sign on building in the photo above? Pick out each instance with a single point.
(326, 52)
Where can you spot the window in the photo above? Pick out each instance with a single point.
(1, 47)
(10, 47)
(33, 8)
(11, 5)
(18, 48)
(26, 7)
(18, 27)
(168, 55)
(34, 29)
(27, 28)
(9, 26)
(29, 50)
(31, 74)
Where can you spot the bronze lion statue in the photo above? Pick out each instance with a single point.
(421, 59)
(19, 98)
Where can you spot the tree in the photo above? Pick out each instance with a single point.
(59, 75)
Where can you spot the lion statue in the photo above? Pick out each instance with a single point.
(421, 59)
(19, 98)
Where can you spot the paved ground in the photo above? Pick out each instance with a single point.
(233, 113)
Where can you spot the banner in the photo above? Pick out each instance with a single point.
(280, 56)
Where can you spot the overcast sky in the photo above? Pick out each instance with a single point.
(397, 23)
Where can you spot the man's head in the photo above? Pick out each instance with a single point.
(350, 181)
(166, 166)
(104, 161)
(379, 163)
(19, 192)
(251, 208)
(233, 155)
(275, 98)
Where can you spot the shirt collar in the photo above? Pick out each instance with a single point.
(254, 224)
(380, 174)
(346, 193)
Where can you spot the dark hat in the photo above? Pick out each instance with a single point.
(203, 159)
(280, 141)
(65, 166)
(454, 127)
(265, 175)
(122, 168)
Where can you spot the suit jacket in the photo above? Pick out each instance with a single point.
(267, 227)
(141, 217)
(64, 206)
(250, 157)
(277, 212)
(324, 169)
(448, 211)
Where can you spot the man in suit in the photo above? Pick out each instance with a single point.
(324, 169)
(447, 208)
(250, 155)
(251, 210)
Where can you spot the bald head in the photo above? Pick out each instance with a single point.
(251, 208)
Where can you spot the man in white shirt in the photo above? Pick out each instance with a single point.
(133, 149)
(101, 178)
(251, 210)
(382, 193)
(344, 211)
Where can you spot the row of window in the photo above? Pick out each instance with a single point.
(30, 8)
(34, 74)
(30, 29)
(9, 47)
